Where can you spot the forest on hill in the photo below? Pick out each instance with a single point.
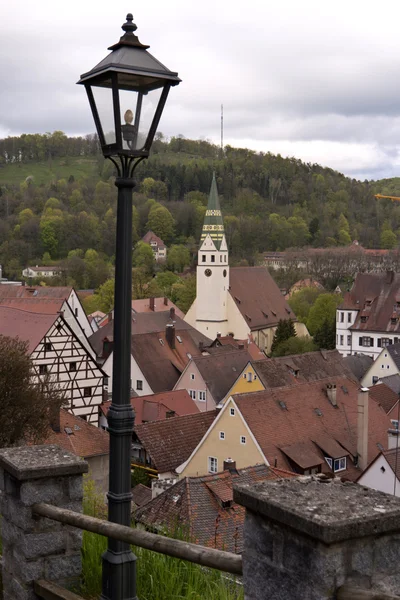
(58, 204)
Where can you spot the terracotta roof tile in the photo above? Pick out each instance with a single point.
(143, 306)
(29, 327)
(170, 442)
(45, 306)
(79, 437)
(386, 397)
(24, 291)
(302, 413)
(196, 503)
(150, 236)
(141, 495)
(257, 297)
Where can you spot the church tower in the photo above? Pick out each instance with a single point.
(212, 271)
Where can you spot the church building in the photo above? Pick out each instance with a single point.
(238, 301)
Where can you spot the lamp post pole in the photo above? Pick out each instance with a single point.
(119, 563)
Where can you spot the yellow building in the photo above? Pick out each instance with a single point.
(247, 381)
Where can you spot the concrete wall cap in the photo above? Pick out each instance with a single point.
(34, 462)
(326, 509)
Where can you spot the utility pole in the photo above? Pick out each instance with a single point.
(222, 128)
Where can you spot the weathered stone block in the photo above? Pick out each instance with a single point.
(42, 490)
(14, 590)
(63, 568)
(75, 488)
(24, 570)
(36, 545)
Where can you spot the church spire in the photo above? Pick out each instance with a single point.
(213, 222)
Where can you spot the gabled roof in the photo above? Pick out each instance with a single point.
(213, 222)
(258, 298)
(35, 304)
(141, 495)
(394, 351)
(37, 268)
(170, 442)
(392, 381)
(393, 458)
(299, 368)
(155, 407)
(38, 291)
(249, 345)
(302, 413)
(383, 395)
(27, 326)
(160, 305)
(375, 296)
(205, 506)
(220, 370)
(150, 236)
(79, 437)
(358, 364)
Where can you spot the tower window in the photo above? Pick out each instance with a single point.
(203, 258)
(220, 258)
(225, 257)
(212, 257)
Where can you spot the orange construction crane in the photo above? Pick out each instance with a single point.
(392, 198)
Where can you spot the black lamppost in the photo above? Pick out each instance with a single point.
(127, 92)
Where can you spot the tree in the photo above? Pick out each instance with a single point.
(105, 296)
(294, 345)
(178, 258)
(26, 406)
(284, 331)
(183, 294)
(302, 301)
(324, 309)
(388, 239)
(325, 336)
(161, 222)
(143, 257)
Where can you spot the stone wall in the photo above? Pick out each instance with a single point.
(35, 547)
(308, 537)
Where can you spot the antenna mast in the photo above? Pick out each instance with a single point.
(222, 127)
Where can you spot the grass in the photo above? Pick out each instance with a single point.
(159, 577)
(49, 170)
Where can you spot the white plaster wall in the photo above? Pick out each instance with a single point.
(136, 374)
(384, 481)
(381, 367)
(342, 329)
(75, 303)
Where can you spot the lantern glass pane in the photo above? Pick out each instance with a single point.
(137, 114)
(104, 104)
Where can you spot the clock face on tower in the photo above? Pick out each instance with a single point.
(207, 272)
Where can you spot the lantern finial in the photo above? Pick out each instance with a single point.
(129, 38)
(129, 27)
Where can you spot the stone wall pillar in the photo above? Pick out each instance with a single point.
(35, 547)
(304, 538)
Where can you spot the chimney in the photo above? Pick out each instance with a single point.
(152, 304)
(241, 345)
(165, 300)
(230, 465)
(170, 335)
(170, 413)
(109, 317)
(389, 276)
(172, 313)
(55, 418)
(331, 393)
(218, 334)
(362, 427)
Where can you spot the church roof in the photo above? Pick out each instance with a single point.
(213, 222)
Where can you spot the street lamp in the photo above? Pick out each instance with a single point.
(127, 92)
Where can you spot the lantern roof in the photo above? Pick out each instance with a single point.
(129, 57)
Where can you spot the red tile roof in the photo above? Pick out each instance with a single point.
(258, 298)
(170, 442)
(143, 306)
(150, 236)
(141, 495)
(282, 417)
(79, 437)
(24, 291)
(196, 503)
(27, 326)
(154, 407)
(34, 304)
(383, 395)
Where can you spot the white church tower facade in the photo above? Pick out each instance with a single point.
(209, 312)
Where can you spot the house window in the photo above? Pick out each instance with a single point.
(222, 435)
(202, 396)
(349, 317)
(76, 312)
(43, 369)
(374, 379)
(232, 412)
(192, 376)
(386, 342)
(192, 394)
(395, 423)
(254, 376)
(342, 317)
(87, 392)
(349, 340)
(383, 469)
(212, 464)
(139, 384)
(203, 258)
(366, 341)
(364, 319)
(341, 340)
(242, 439)
(212, 257)
(244, 375)
(47, 346)
(72, 366)
(339, 464)
(329, 461)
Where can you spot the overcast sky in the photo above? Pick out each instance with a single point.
(311, 79)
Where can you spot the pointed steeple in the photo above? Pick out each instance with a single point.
(213, 222)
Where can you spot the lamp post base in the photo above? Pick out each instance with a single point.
(119, 575)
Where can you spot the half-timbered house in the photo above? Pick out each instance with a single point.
(58, 353)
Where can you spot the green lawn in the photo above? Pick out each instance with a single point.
(46, 171)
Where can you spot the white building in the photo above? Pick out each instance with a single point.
(383, 473)
(234, 301)
(37, 271)
(369, 317)
(157, 245)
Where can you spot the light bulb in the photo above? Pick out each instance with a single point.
(128, 116)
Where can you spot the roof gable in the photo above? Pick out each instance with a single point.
(220, 370)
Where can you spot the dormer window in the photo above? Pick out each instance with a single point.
(364, 319)
(338, 464)
(393, 320)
